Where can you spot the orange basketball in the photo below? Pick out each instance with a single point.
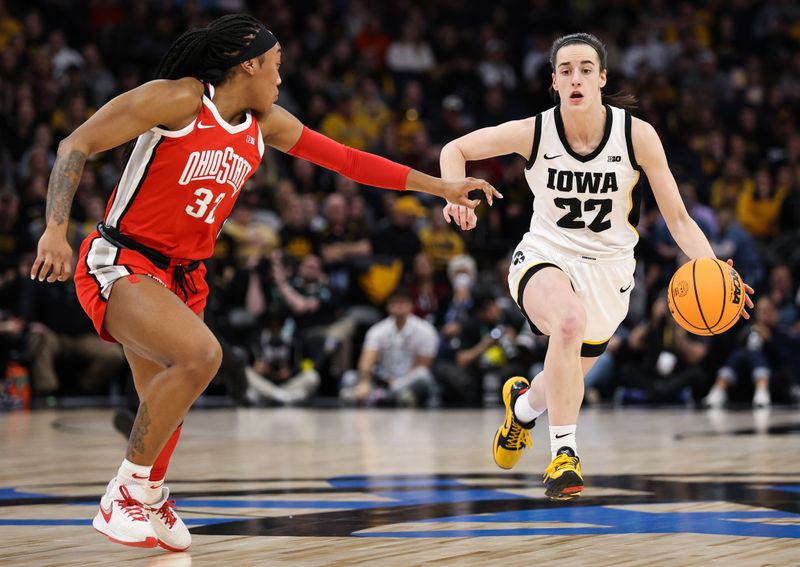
(706, 296)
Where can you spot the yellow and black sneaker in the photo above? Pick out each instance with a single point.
(513, 436)
(562, 479)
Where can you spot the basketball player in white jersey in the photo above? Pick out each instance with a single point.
(572, 274)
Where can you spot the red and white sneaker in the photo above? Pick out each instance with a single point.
(122, 518)
(172, 533)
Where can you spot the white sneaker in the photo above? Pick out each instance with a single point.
(172, 533)
(761, 398)
(122, 517)
(716, 398)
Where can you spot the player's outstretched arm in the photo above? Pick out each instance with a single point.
(118, 121)
(650, 155)
(286, 133)
(514, 137)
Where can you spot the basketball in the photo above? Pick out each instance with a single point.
(706, 296)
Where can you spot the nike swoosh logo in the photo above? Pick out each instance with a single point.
(204, 126)
(552, 157)
(106, 515)
(623, 290)
(560, 436)
(140, 477)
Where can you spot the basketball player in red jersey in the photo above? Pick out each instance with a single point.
(200, 134)
(572, 274)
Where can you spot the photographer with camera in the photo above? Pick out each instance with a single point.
(487, 349)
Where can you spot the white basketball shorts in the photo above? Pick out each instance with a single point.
(602, 285)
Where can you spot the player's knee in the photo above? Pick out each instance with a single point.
(205, 362)
(572, 325)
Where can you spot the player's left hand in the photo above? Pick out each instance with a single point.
(457, 191)
(747, 301)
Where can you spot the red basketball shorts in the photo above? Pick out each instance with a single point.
(100, 264)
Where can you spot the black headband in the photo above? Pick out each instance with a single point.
(570, 40)
(262, 42)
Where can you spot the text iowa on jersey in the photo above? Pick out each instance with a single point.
(582, 181)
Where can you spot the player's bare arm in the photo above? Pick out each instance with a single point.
(514, 137)
(650, 154)
(118, 121)
(284, 132)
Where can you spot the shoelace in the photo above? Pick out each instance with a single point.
(560, 462)
(516, 435)
(166, 513)
(132, 507)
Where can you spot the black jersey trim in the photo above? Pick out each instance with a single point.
(537, 136)
(629, 140)
(563, 136)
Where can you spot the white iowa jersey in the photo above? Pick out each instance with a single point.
(587, 204)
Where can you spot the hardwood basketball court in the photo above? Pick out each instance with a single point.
(403, 487)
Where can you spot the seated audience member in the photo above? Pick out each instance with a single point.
(395, 364)
(764, 348)
(664, 363)
(278, 375)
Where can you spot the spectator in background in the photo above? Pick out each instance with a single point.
(427, 293)
(411, 55)
(277, 374)
(785, 296)
(314, 307)
(296, 236)
(439, 241)
(59, 328)
(764, 349)
(664, 364)
(758, 207)
(733, 182)
(395, 364)
(342, 242)
(487, 349)
(735, 243)
(343, 124)
(397, 236)
(252, 239)
(494, 70)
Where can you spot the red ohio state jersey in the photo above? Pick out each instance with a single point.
(178, 187)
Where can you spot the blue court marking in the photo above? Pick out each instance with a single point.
(411, 498)
(786, 487)
(88, 522)
(9, 493)
(606, 521)
(389, 481)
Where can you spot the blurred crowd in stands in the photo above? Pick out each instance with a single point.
(320, 286)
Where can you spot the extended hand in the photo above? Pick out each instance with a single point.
(53, 258)
(465, 218)
(747, 301)
(457, 191)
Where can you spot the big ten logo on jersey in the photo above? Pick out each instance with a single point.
(223, 166)
(582, 181)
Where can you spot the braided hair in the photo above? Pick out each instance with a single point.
(203, 53)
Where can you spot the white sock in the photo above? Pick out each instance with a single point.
(130, 473)
(523, 410)
(152, 491)
(563, 436)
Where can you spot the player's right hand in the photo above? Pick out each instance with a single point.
(465, 218)
(53, 258)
